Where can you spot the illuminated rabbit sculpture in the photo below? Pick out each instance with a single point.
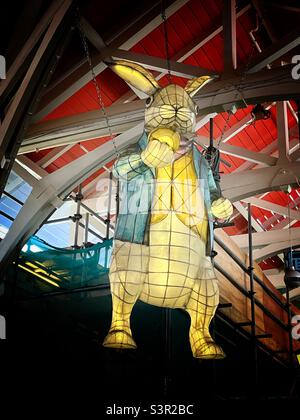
(162, 245)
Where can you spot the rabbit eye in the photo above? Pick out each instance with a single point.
(149, 101)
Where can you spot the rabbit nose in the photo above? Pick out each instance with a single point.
(167, 111)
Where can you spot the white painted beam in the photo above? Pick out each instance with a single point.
(86, 126)
(267, 237)
(285, 222)
(244, 212)
(274, 248)
(276, 208)
(246, 154)
(239, 185)
(264, 86)
(81, 75)
(229, 36)
(31, 167)
(54, 154)
(277, 280)
(157, 64)
(282, 132)
(24, 174)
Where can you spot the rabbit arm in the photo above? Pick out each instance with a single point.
(221, 207)
(214, 188)
(157, 154)
(128, 167)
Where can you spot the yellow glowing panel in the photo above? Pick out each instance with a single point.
(194, 85)
(157, 154)
(136, 75)
(222, 208)
(37, 269)
(38, 275)
(165, 135)
(172, 108)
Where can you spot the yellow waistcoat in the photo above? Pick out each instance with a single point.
(178, 190)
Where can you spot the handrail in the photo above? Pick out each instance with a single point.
(247, 334)
(246, 293)
(240, 263)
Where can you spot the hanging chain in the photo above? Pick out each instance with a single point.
(238, 88)
(229, 113)
(166, 39)
(96, 83)
(247, 65)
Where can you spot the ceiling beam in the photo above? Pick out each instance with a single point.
(276, 208)
(92, 124)
(267, 237)
(229, 36)
(276, 279)
(246, 154)
(274, 248)
(282, 132)
(264, 86)
(32, 166)
(275, 51)
(196, 43)
(81, 74)
(86, 126)
(286, 222)
(157, 64)
(239, 185)
(24, 174)
(270, 149)
(54, 154)
(244, 212)
(296, 155)
(64, 84)
(14, 69)
(267, 85)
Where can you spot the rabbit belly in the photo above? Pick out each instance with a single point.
(178, 236)
(177, 259)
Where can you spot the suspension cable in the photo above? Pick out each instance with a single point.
(166, 40)
(95, 81)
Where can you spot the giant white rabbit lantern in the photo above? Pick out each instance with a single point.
(168, 201)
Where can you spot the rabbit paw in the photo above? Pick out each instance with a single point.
(222, 208)
(157, 154)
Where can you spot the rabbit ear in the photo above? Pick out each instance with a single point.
(196, 84)
(135, 75)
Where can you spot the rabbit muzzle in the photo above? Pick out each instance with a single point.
(176, 118)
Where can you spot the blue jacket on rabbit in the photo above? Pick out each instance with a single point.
(136, 189)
